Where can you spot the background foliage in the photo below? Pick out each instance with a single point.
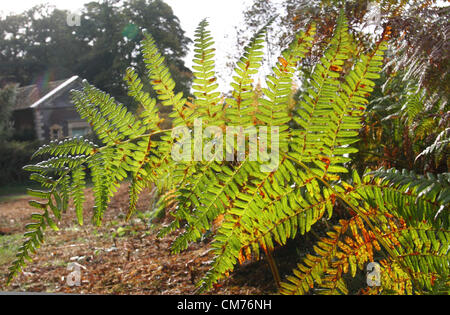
(408, 110)
(39, 43)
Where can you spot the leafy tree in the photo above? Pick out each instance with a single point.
(40, 42)
(7, 101)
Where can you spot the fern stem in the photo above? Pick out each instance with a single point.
(273, 268)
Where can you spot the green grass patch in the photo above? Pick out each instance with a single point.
(9, 244)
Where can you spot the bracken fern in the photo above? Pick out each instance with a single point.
(250, 208)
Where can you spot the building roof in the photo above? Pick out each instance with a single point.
(32, 96)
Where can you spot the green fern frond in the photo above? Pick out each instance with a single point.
(102, 186)
(111, 121)
(239, 107)
(149, 115)
(71, 146)
(50, 206)
(207, 98)
(245, 207)
(274, 109)
(313, 267)
(414, 103)
(348, 110)
(313, 114)
(439, 146)
(415, 198)
(163, 84)
(34, 239)
(425, 127)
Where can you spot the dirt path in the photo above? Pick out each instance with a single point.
(117, 258)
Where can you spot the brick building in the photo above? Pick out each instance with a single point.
(47, 113)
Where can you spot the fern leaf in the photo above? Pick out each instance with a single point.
(313, 115)
(102, 187)
(111, 121)
(149, 115)
(348, 109)
(239, 107)
(207, 98)
(163, 84)
(34, 239)
(415, 198)
(72, 146)
(273, 110)
(440, 145)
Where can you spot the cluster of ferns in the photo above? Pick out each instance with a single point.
(396, 218)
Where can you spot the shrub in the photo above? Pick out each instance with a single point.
(13, 156)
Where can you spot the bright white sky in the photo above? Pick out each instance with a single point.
(222, 15)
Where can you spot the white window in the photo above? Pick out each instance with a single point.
(78, 129)
(79, 132)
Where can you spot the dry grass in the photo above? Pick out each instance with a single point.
(117, 258)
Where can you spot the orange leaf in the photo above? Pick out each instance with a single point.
(283, 62)
(241, 257)
(218, 221)
(336, 68)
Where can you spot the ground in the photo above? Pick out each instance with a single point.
(117, 258)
